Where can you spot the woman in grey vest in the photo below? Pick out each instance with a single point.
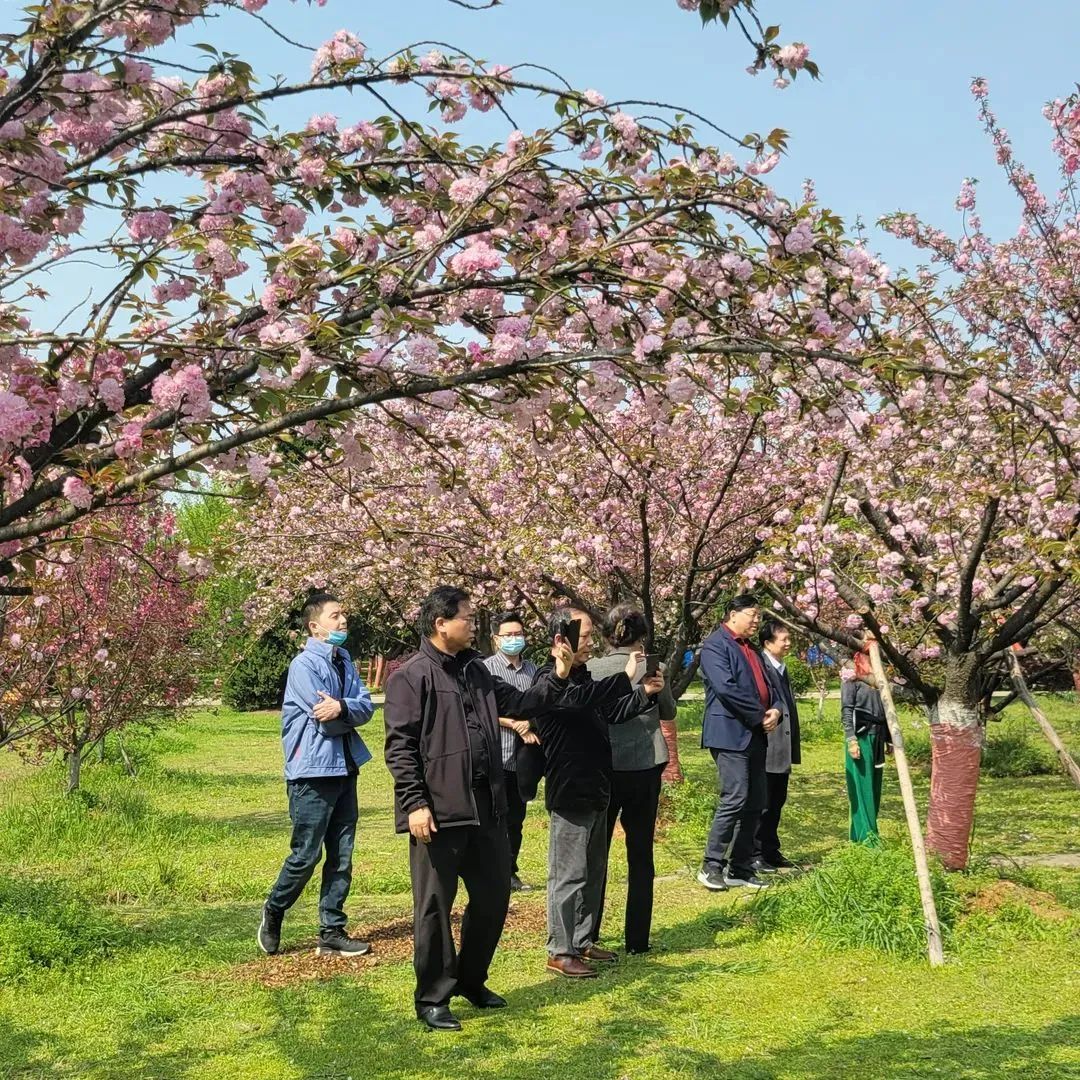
(638, 754)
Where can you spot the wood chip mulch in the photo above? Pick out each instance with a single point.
(391, 943)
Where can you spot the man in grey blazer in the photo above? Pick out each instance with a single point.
(783, 752)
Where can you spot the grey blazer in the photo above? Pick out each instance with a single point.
(639, 743)
(785, 745)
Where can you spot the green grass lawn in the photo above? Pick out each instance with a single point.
(128, 916)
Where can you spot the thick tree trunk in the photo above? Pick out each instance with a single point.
(956, 738)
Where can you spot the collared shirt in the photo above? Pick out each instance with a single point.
(521, 678)
(778, 664)
(756, 669)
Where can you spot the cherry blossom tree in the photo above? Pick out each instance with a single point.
(657, 502)
(252, 287)
(104, 643)
(947, 505)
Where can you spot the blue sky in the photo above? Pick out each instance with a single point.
(890, 126)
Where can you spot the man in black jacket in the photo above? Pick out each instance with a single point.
(577, 752)
(443, 750)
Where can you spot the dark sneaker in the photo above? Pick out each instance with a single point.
(516, 884)
(761, 866)
(338, 943)
(269, 935)
(781, 863)
(740, 879)
(712, 879)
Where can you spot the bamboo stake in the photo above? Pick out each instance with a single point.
(1025, 695)
(922, 869)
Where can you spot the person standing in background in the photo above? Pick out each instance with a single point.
(740, 710)
(325, 702)
(783, 752)
(866, 737)
(506, 663)
(639, 754)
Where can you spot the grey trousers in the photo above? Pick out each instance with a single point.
(577, 867)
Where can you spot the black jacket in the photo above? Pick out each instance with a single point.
(785, 741)
(427, 738)
(574, 735)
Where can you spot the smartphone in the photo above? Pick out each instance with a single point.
(570, 630)
(652, 664)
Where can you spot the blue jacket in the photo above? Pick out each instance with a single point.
(732, 704)
(309, 749)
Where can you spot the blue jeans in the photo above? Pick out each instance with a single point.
(323, 812)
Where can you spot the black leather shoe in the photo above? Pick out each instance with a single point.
(439, 1018)
(763, 866)
(483, 998)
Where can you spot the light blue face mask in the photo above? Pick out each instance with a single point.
(513, 645)
(337, 637)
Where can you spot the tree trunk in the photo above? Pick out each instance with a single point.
(956, 738)
(823, 691)
(1039, 716)
(673, 773)
(74, 765)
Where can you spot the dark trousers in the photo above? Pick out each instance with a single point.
(480, 856)
(741, 774)
(767, 841)
(515, 818)
(323, 813)
(635, 797)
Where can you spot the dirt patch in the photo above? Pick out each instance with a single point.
(1000, 893)
(391, 943)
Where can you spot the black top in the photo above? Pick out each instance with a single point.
(478, 747)
(574, 736)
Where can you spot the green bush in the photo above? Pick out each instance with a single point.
(798, 673)
(257, 681)
(45, 925)
(859, 897)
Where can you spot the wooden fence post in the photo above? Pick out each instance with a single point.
(918, 847)
(1025, 695)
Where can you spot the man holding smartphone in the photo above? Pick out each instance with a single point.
(577, 751)
(443, 750)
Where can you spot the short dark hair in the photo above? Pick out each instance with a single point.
(769, 629)
(441, 603)
(740, 603)
(624, 624)
(509, 615)
(314, 604)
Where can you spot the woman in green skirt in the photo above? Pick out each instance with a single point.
(867, 735)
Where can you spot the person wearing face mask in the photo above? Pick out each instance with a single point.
(325, 702)
(508, 665)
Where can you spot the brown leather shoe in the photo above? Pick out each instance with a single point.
(604, 956)
(570, 966)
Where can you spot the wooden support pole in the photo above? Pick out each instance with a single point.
(1026, 696)
(918, 847)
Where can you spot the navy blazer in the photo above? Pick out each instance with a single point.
(732, 703)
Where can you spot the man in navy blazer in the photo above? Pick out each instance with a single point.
(741, 708)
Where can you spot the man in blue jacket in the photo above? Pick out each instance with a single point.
(741, 708)
(325, 701)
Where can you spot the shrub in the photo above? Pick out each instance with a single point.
(44, 925)
(798, 673)
(257, 681)
(859, 897)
